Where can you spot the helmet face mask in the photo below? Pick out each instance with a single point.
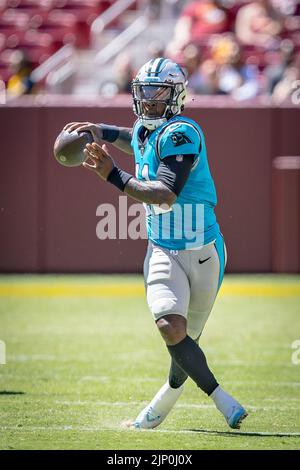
(152, 109)
(152, 101)
(158, 90)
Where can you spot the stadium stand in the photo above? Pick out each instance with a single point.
(111, 38)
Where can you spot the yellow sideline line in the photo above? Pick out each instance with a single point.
(137, 290)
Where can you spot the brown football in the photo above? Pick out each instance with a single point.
(69, 147)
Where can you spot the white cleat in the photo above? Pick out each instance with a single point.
(148, 419)
(231, 409)
(159, 408)
(237, 415)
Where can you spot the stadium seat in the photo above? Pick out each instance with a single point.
(41, 4)
(62, 27)
(12, 27)
(37, 46)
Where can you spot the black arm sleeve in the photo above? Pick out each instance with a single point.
(173, 171)
(110, 133)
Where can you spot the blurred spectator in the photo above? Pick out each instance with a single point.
(20, 82)
(173, 8)
(209, 73)
(198, 20)
(162, 9)
(286, 7)
(153, 9)
(259, 24)
(124, 72)
(233, 76)
(156, 49)
(286, 86)
(275, 72)
(197, 82)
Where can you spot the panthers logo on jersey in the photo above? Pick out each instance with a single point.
(179, 138)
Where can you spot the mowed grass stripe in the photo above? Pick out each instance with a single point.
(18, 289)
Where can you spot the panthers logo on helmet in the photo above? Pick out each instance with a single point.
(178, 138)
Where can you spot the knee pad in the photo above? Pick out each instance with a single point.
(161, 307)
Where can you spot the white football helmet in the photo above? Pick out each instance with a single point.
(159, 91)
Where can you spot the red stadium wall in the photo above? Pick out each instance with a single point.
(48, 212)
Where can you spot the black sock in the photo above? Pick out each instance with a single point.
(188, 355)
(177, 376)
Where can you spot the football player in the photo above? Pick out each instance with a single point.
(186, 255)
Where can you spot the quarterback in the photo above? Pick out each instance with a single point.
(186, 255)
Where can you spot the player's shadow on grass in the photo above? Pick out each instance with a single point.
(11, 392)
(245, 433)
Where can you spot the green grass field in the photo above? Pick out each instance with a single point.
(83, 355)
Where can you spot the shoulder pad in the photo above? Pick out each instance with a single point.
(179, 138)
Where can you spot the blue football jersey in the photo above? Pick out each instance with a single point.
(191, 221)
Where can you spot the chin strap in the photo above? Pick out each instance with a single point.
(152, 124)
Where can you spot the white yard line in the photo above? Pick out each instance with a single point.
(163, 431)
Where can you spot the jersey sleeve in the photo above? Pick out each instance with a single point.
(179, 139)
